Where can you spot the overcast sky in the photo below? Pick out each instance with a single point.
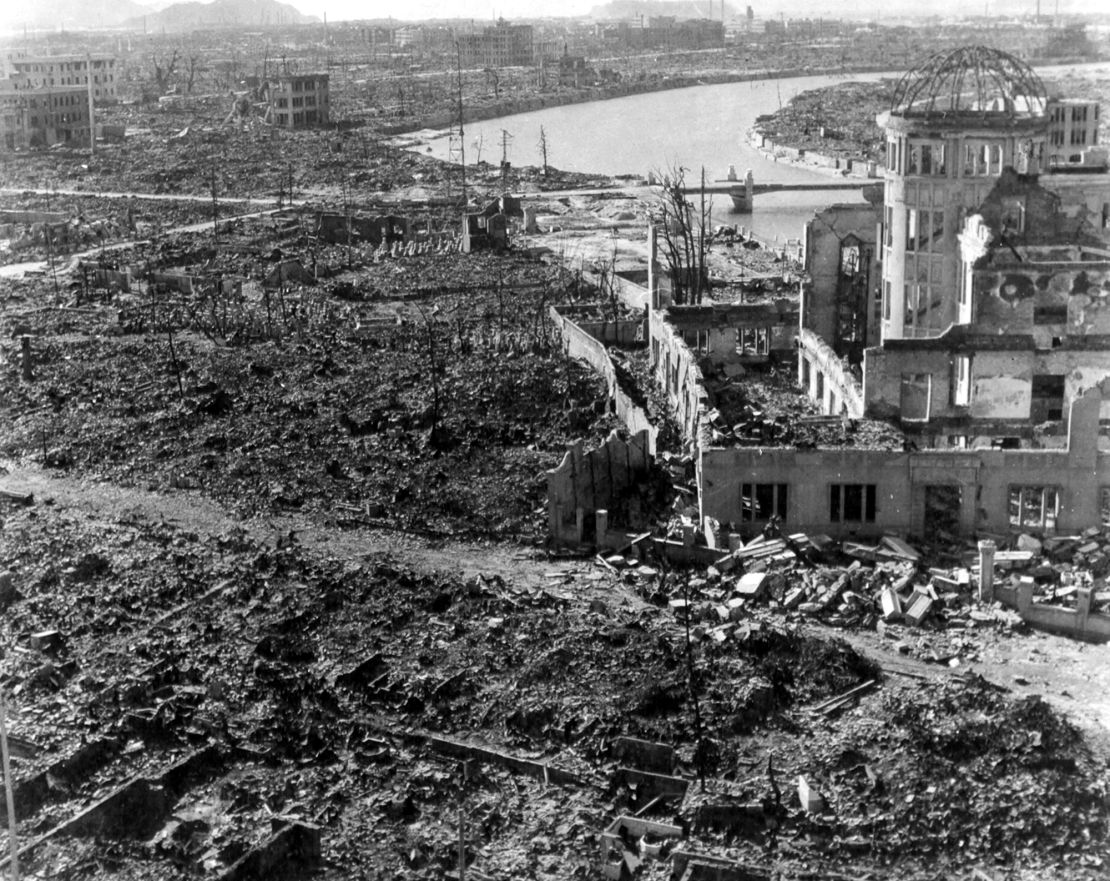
(338, 10)
(423, 9)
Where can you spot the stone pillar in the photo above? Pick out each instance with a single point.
(749, 189)
(688, 535)
(601, 527)
(986, 571)
(1082, 609)
(579, 524)
(1024, 596)
(25, 341)
(732, 173)
(735, 542)
(530, 221)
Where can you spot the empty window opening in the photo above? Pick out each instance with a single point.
(1013, 216)
(753, 341)
(698, 340)
(942, 510)
(916, 392)
(1048, 397)
(1054, 314)
(852, 503)
(1034, 506)
(961, 388)
(762, 501)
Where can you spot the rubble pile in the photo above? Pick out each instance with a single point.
(92, 222)
(887, 586)
(763, 407)
(227, 686)
(836, 120)
(437, 412)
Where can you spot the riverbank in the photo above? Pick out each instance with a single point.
(834, 127)
(515, 105)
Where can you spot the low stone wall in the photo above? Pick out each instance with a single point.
(1079, 623)
(105, 277)
(25, 217)
(621, 332)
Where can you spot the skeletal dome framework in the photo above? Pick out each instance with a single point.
(972, 79)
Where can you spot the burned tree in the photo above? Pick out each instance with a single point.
(192, 68)
(684, 231)
(543, 149)
(164, 70)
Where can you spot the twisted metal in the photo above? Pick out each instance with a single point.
(969, 80)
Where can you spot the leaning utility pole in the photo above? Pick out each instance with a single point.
(462, 137)
(13, 843)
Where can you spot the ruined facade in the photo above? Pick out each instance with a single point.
(968, 312)
(992, 251)
(501, 45)
(34, 72)
(43, 117)
(298, 100)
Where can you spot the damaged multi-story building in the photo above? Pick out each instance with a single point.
(96, 73)
(297, 100)
(967, 311)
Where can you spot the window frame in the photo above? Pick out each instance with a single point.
(778, 494)
(1047, 519)
(841, 496)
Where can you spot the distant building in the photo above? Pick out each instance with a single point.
(62, 71)
(503, 45)
(43, 117)
(666, 32)
(1073, 126)
(298, 100)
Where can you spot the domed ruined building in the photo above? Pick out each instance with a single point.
(970, 307)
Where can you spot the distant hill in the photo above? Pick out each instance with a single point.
(70, 14)
(680, 9)
(220, 13)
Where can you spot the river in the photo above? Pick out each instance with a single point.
(695, 127)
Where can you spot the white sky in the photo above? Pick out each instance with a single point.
(338, 10)
(416, 10)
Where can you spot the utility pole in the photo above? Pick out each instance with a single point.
(48, 232)
(462, 136)
(13, 843)
(462, 820)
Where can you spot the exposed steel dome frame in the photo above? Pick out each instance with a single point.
(969, 80)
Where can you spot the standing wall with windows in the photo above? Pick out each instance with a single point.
(936, 173)
(864, 492)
